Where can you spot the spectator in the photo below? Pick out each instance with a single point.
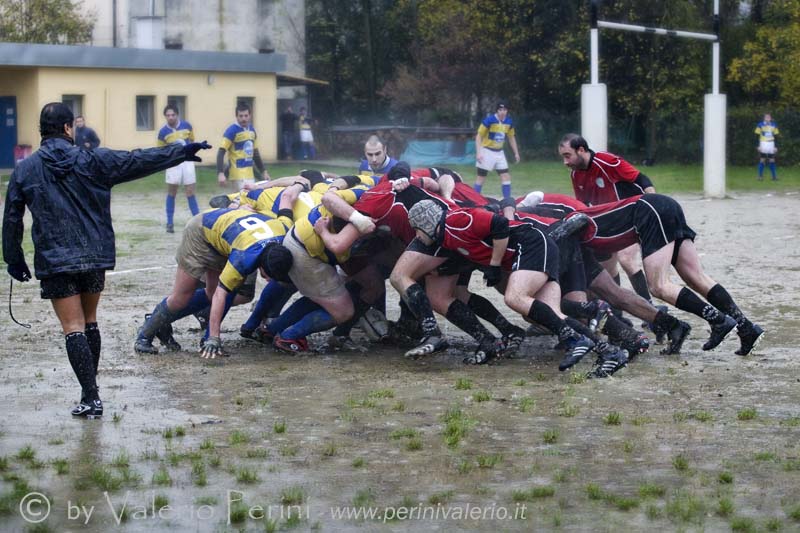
(306, 136)
(85, 137)
(288, 131)
(767, 130)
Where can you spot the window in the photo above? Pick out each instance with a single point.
(250, 101)
(180, 103)
(74, 102)
(144, 113)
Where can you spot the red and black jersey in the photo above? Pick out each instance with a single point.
(389, 209)
(470, 231)
(609, 178)
(553, 206)
(531, 219)
(611, 227)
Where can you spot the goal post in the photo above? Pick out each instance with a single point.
(594, 100)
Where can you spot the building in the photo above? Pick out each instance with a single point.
(245, 26)
(122, 92)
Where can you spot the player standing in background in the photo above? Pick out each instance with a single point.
(177, 131)
(766, 131)
(306, 135)
(489, 141)
(376, 159)
(239, 141)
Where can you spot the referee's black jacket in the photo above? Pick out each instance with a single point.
(68, 190)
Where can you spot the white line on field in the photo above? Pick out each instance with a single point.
(117, 272)
(785, 237)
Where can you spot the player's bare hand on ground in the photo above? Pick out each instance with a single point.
(212, 348)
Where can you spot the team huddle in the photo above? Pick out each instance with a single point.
(336, 239)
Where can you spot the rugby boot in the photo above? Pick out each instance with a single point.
(635, 344)
(600, 309)
(611, 360)
(719, 332)
(429, 345)
(511, 341)
(89, 409)
(170, 228)
(578, 346)
(260, 334)
(290, 345)
(165, 337)
(144, 344)
(487, 350)
(675, 338)
(750, 335)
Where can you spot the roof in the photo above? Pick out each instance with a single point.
(55, 55)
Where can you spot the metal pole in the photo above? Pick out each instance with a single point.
(594, 44)
(715, 52)
(657, 31)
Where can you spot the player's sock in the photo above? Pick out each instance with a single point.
(689, 301)
(271, 293)
(420, 306)
(80, 357)
(92, 333)
(761, 169)
(541, 313)
(170, 209)
(465, 319)
(773, 170)
(639, 283)
(192, 204)
(317, 320)
(486, 310)
(506, 188)
(477, 187)
(719, 298)
(198, 302)
(294, 313)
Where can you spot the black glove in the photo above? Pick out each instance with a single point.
(19, 271)
(190, 150)
(492, 275)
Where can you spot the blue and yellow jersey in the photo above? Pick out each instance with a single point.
(494, 132)
(304, 227)
(767, 131)
(369, 179)
(305, 122)
(241, 236)
(267, 201)
(182, 134)
(240, 143)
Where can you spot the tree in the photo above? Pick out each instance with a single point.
(768, 69)
(44, 21)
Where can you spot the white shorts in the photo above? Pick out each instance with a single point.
(306, 136)
(312, 277)
(766, 147)
(492, 160)
(182, 174)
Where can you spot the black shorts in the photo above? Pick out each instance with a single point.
(72, 283)
(571, 273)
(534, 251)
(455, 263)
(659, 220)
(591, 266)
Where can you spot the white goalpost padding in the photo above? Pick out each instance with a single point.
(594, 101)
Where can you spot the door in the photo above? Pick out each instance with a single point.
(8, 130)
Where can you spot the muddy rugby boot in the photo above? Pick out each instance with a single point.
(510, 342)
(719, 332)
(600, 309)
(89, 409)
(290, 345)
(487, 350)
(750, 335)
(164, 336)
(675, 338)
(143, 344)
(611, 360)
(428, 346)
(578, 347)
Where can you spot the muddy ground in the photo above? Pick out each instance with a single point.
(700, 441)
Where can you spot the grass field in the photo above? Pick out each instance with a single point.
(703, 441)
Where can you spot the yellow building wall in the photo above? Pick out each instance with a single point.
(23, 83)
(109, 103)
